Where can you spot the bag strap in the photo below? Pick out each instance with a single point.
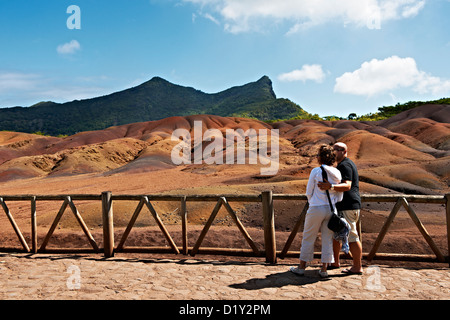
(325, 177)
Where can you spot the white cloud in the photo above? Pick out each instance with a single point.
(206, 16)
(307, 72)
(24, 89)
(250, 15)
(381, 76)
(397, 9)
(11, 81)
(71, 92)
(211, 18)
(413, 10)
(69, 48)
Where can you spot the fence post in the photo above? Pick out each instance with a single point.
(108, 225)
(33, 225)
(269, 227)
(447, 213)
(184, 225)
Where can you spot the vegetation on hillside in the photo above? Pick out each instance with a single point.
(153, 100)
(390, 111)
(384, 112)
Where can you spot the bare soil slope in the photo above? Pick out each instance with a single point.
(409, 153)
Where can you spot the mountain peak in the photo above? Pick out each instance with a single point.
(157, 79)
(265, 79)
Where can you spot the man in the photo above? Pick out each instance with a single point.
(349, 207)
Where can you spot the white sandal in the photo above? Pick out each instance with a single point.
(323, 274)
(297, 271)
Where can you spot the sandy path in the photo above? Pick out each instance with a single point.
(91, 277)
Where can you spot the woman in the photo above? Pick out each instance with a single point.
(319, 213)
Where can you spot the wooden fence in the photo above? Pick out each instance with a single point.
(268, 218)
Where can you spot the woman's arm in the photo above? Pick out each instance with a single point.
(310, 185)
(345, 185)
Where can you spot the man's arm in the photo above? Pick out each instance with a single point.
(345, 185)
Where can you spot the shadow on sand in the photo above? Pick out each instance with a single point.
(281, 279)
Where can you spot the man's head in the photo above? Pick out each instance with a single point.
(340, 150)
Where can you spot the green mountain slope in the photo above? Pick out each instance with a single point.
(153, 100)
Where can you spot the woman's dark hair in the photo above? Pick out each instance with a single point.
(326, 155)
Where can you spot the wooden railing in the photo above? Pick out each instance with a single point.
(268, 218)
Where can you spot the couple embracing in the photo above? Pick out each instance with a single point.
(343, 187)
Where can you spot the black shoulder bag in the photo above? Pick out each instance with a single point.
(336, 222)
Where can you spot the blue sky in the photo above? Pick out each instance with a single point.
(332, 57)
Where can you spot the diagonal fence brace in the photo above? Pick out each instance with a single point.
(144, 201)
(224, 202)
(14, 225)
(68, 202)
